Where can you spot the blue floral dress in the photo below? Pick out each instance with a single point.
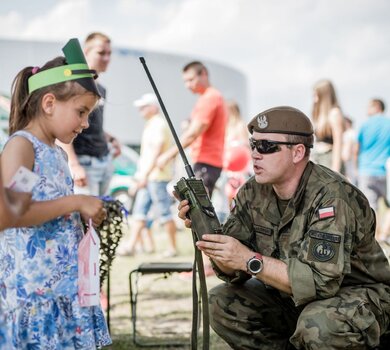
(38, 272)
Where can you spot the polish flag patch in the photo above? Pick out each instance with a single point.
(327, 212)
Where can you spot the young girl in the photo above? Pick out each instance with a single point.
(38, 260)
(328, 124)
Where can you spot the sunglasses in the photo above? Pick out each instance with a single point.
(267, 146)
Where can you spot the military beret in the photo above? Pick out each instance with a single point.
(281, 120)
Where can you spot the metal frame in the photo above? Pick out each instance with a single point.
(152, 268)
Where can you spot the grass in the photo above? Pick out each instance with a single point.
(164, 307)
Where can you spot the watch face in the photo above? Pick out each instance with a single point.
(255, 265)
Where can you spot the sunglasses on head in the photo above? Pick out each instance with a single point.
(267, 146)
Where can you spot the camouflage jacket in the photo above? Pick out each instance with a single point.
(325, 236)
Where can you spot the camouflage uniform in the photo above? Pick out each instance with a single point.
(339, 275)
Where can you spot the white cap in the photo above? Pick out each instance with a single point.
(146, 100)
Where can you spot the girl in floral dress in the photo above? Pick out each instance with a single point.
(38, 259)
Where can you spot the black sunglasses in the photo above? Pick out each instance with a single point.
(267, 146)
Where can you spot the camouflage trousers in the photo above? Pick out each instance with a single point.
(253, 316)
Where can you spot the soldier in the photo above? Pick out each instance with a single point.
(298, 254)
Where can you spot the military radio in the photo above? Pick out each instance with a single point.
(202, 213)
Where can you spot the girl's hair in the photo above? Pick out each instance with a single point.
(326, 100)
(25, 107)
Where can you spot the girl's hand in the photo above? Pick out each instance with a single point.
(92, 208)
(19, 201)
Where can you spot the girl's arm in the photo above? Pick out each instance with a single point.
(40, 212)
(336, 123)
(12, 205)
(19, 151)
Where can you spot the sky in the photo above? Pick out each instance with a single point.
(283, 47)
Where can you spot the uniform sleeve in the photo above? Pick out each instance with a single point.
(237, 226)
(323, 254)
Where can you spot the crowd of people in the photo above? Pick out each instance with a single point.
(298, 254)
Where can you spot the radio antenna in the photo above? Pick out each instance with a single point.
(187, 165)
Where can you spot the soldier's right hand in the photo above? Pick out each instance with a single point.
(183, 210)
(92, 208)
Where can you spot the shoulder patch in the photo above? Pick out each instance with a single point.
(323, 246)
(328, 212)
(323, 251)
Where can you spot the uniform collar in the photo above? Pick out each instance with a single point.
(295, 201)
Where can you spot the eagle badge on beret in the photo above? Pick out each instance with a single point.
(262, 121)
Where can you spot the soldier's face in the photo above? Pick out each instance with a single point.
(272, 168)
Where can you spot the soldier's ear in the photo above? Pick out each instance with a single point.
(298, 153)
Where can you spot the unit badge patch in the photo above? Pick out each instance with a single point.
(323, 251)
(323, 246)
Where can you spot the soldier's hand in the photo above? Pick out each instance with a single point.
(183, 210)
(225, 250)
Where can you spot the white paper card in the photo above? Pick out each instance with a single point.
(23, 180)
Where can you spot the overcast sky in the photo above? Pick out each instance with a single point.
(282, 46)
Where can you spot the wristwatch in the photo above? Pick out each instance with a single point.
(255, 265)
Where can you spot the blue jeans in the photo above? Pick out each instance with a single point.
(99, 171)
(374, 188)
(154, 193)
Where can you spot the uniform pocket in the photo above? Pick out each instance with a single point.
(264, 239)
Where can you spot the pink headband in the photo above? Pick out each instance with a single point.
(35, 70)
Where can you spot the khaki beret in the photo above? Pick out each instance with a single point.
(281, 120)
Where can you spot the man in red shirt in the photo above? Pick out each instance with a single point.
(206, 132)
